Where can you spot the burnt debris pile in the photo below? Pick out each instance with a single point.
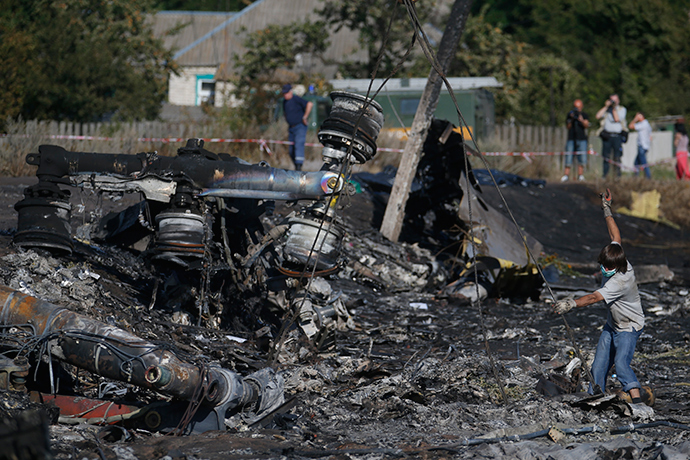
(197, 247)
(196, 294)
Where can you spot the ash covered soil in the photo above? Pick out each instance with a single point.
(413, 378)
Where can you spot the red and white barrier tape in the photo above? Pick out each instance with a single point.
(263, 145)
(528, 154)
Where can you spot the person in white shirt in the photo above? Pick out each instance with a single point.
(625, 320)
(644, 141)
(613, 114)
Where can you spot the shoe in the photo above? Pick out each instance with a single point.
(581, 178)
(646, 393)
(564, 178)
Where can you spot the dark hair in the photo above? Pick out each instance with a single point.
(680, 128)
(612, 256)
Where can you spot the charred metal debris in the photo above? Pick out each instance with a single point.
(199, 227)
(201, 230)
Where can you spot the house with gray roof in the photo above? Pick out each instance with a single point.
(204, 44)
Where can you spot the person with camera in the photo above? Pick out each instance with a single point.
(577, 123)
(613, 115)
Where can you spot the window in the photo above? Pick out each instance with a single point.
(205, 89)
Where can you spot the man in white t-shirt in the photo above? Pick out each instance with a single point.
(644, 141)
(625, 320)
(613, 114)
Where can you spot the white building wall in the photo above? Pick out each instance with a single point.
(182, 88)
(224, 96)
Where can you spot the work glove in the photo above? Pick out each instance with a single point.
(563, 306)
(606, 202)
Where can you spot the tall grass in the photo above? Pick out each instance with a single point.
(675, 195)
(23, 138)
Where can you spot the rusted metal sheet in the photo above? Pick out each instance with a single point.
(81, 407)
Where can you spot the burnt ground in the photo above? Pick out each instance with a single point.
(413, 378)
(566, 219)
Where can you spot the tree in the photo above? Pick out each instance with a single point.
(272, 48)
(510, 16)
(82, 60)
(202, 5)
(16, 49)
(637, 49)
(270, 51)
(537, 87)
(278, 47)
(372, 18)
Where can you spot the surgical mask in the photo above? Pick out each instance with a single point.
(607, 273)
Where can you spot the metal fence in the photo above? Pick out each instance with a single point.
(22, 138)
(514, 138)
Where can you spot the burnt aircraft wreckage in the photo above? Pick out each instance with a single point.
(201, 212)
(200, 227)
(200, 223)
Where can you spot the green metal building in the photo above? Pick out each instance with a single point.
(400, 97)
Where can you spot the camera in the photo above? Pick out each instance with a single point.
(574, 114)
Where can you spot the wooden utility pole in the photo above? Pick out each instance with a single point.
(395, 211)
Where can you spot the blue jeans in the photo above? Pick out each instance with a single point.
(615, 348)
(579, 147)
(641, 160)
(612, 149)
(298, 135)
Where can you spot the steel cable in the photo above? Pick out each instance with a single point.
(426, 47)
(334, 197)
(428, 52)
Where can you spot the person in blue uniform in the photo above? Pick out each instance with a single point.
(296, 110)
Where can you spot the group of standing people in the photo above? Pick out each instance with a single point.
(613, 135)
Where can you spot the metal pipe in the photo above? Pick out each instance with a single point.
(637, 426)
(116, 354)
(275, 184)
(213, 176)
